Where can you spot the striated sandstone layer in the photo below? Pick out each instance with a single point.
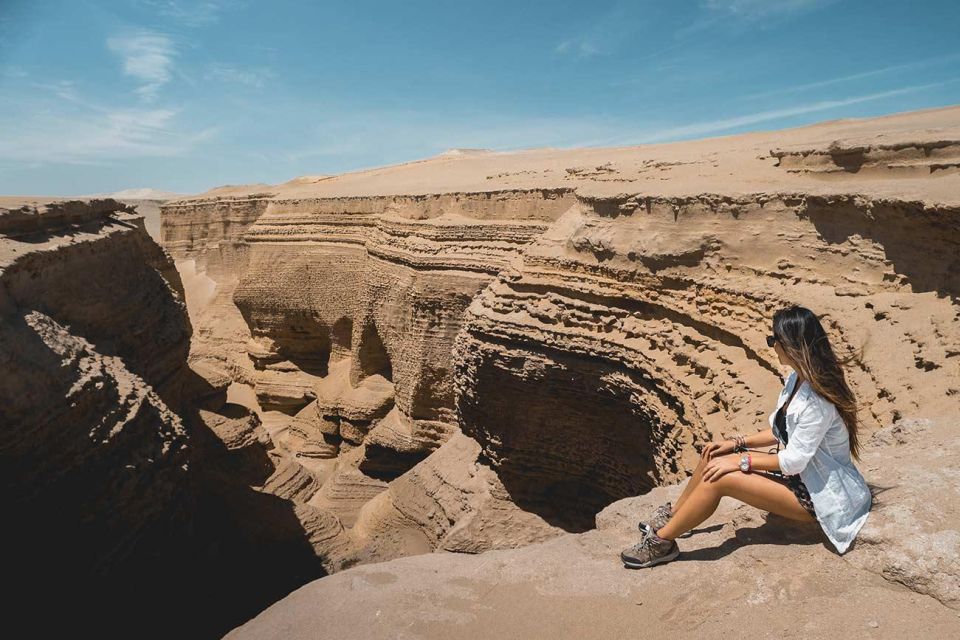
(84, 393)
(484, 350)
(632, 332)
(131, 488)
(352, 306)
(205, 240)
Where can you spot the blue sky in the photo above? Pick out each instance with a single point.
(99, 95)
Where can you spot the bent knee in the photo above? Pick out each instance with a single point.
(725, 483)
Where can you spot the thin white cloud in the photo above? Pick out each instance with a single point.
(63, 89)
(147, 56)
(726, 124)
(13, 71)
(190, 14)
(911, 66)
(741, 15)
(254, 77)
(606, 33)
(96, 136)
(579, 47)
(755, 9)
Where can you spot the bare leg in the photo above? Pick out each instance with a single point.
(691, 485)
(754, 489)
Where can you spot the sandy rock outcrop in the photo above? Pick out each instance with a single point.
(485, 350)
(206, 241)
(632, 331)
(741, 564)
(128, 480)
(451, 501)
(95, 454)
(352, 306)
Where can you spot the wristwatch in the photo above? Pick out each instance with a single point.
(745, 463)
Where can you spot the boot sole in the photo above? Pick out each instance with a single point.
(642, 565)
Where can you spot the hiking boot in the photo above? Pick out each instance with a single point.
(658, 520)
(650, 551)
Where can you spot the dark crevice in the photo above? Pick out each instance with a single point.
(372, 355)
(558, 451)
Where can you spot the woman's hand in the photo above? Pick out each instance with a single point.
(719, 467)
(717, 448)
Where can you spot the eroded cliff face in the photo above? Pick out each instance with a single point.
(632, 332)
(484, 350)
(74, 390)
(130, 485)
(205, 239)
(352, 306)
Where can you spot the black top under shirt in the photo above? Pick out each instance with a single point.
(780, 421)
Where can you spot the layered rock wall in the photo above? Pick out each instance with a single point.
(93, 371)
(352, 305)
(205, 239)
(482, 350)
(130, 486)
(632, 332)
(657, 305)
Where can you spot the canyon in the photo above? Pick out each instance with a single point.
(457, 384)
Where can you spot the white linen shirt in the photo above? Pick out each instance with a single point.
(819, 450)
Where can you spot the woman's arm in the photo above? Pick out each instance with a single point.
(764, 462)
(763, 438)
(718, 467)
(810, 429)
(720, 463)
(723, 447)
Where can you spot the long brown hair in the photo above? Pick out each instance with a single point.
(799, 332)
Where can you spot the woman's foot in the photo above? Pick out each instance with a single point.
(658, 520)
(650, 551)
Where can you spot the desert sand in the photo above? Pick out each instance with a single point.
(445, 383)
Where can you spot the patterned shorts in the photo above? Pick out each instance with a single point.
(799, 489)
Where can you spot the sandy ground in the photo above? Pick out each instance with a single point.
(744, 163)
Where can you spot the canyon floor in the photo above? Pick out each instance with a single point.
(435, 398)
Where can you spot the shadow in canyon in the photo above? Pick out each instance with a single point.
(305, 341)
(568, 440)
(212, 554)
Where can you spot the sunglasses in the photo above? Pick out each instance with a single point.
(771, 340)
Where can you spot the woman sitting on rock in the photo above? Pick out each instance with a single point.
(811, 478)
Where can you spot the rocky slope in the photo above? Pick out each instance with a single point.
(742, 572)
(482, 351)
(129, 484)
(83, 391)
(475, 353)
